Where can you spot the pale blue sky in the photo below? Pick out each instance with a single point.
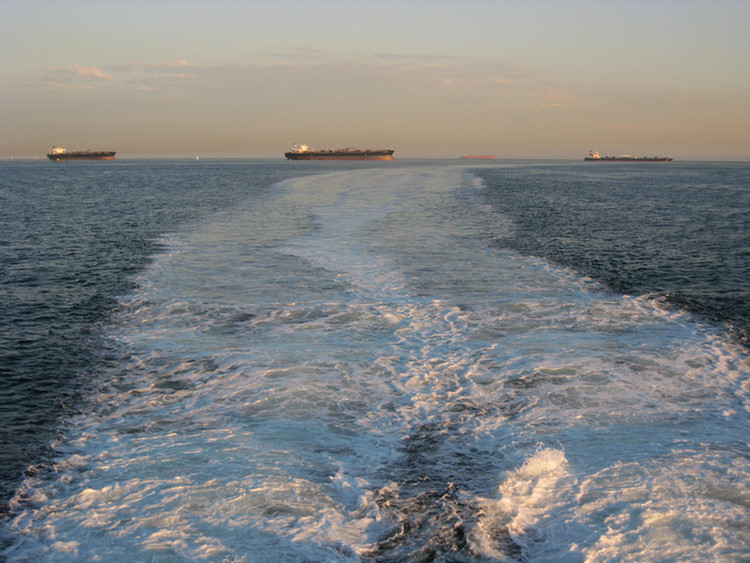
(514, 79)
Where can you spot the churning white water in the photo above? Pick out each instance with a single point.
(349, 368)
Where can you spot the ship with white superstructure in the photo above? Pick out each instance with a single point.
(304, 152)
(60, 154)
(594, 156)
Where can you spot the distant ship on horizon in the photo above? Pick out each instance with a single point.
(477, 157)
(304, 152)
(60, 154)
(596, 157)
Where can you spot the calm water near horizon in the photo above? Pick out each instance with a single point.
(418, 360)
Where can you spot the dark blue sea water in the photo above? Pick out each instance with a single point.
(398, 361)
(680, 233)
(72, 236)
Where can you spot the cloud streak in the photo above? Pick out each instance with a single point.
(72, 77)
(299, 68)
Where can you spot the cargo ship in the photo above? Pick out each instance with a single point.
(477, 157)
(596, 157)
(60, 154)
(304, 152)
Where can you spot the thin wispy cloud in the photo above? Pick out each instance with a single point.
(71, 77)
(466, 72)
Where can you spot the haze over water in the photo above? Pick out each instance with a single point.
(407, 361)
(527, 79)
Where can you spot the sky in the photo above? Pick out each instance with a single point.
(441, 78)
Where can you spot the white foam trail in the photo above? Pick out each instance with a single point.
(303, 378)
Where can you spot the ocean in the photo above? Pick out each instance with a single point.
(409, 361)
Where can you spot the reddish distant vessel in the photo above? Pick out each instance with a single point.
(303, 152)
(594, 156)
(60, 154)
(477, 157)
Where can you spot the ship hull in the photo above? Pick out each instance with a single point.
(628, 159)
(82, 155)
(341, 155)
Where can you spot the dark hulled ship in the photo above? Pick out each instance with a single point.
(60, 154)
(596, 157)
(304, 152)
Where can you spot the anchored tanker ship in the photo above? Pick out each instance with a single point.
(596, 157)
(59, 154)
(304, 152)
